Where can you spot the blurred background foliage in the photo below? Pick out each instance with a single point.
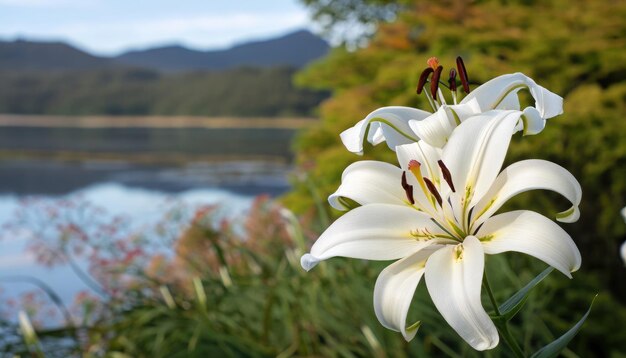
(575, 49)
(242, 293)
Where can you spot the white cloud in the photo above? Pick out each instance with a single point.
(207, 22)
(189, 25)
(211, 30)
(201, 31)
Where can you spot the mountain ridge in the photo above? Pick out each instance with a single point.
(294, 49)
(36, 55)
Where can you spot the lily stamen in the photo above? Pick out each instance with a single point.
(446, 174)
(423, 79)
(452, 80)
(433, 190)
(434, 82)
(463, 74)
(408, 189)
(452, 84)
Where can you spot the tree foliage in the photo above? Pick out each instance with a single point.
(575, 49)
(238, 92)
(352, 20)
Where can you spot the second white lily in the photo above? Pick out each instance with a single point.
(434, 214)
(399, 125)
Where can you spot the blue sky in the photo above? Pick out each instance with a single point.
(108, 27)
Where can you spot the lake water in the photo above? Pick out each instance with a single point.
(131, 142)
(141, 191)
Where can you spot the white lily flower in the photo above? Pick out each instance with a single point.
(434, 214)
(403, 125)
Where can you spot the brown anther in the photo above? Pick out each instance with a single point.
(433, 62)
(434, 82)
(408, 189)
(452, 80)
(433, 190)
(422, 80)
(462, 74)
(446, 174)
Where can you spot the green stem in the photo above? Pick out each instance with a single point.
(502, 324)
(510, 341)
(491, 297)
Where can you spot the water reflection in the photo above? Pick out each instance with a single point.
(27, 177)
(140, 194)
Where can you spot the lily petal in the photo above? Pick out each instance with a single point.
(496, 94)
(509, 102)
(530, 175)
(367, 182)
(476, 150)
(394, 291)
(389, 123)
(454, 278)
(532, 122)
(533, 234)
(437, 128)
(373, 232)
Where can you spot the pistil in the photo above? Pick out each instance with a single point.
(414, 167)
(433, 62)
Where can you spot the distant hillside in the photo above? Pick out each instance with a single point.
(292, 50)
(252, 79)
(242, 92)
(29, 55)
(295, 49)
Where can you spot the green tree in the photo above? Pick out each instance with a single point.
(575, 49)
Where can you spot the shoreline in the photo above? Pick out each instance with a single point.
(107, 121)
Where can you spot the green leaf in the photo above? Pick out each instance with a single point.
(554, 348)
(515, 303)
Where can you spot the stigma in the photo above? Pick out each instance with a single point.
(433, 62)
